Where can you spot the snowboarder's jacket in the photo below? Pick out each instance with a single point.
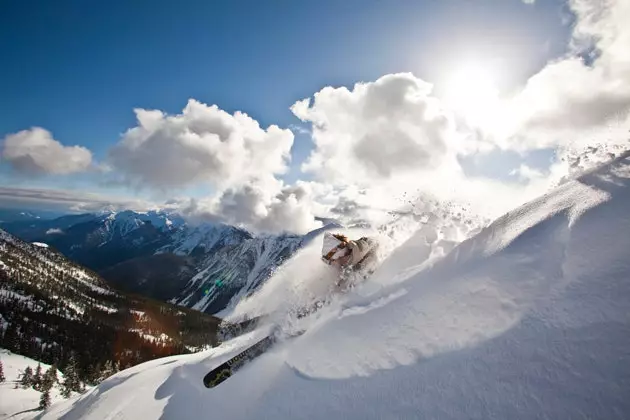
(359, 250)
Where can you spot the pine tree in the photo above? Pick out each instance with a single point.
(27, 377)
(48, 381)
(71, 378)
(12, 338)
(2, 378)
(108, 370)
(44, 401)
(37, 378)
(94, 372)
(51, 376)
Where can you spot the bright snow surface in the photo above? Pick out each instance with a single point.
(528, 319)
(21, 403)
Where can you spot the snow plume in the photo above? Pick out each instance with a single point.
(299, 282)
(36, 152)
(421, 231)
(579, 160)
(202, 144)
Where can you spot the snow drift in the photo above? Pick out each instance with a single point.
(527, 319)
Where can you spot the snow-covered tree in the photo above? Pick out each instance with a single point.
(108, 370)
(51, 376)
(27, 377)
(44, 400)
(2, 378)
(94, 373)
(48, 381)
(37, 378)
(71, 378)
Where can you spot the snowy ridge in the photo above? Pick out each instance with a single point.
(527, 319)
(122, 223)
(206, 236)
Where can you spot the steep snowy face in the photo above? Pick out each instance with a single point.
(527, 319)
(229, 273)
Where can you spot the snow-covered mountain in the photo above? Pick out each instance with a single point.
(207, 266)
(100, 240)
(527, 319)
(235, 271)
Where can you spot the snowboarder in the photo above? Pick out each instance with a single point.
(349, 256)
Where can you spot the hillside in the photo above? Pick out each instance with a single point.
(527, 319)
(52, 308)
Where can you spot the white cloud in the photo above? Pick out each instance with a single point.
(231, 153)
(377, 130)
(583, 97)
(202, 144)
(36, 152)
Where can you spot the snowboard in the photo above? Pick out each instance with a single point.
(222, 372)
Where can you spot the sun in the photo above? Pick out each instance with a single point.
(470, 90)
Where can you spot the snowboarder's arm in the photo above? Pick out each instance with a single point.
(359, 249)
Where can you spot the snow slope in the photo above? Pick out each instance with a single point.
(21, 403)
(528, 319)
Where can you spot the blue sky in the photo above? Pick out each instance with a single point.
(78, 69)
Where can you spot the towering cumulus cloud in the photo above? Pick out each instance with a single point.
(376, 130)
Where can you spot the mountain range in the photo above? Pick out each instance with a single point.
(158, 255)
